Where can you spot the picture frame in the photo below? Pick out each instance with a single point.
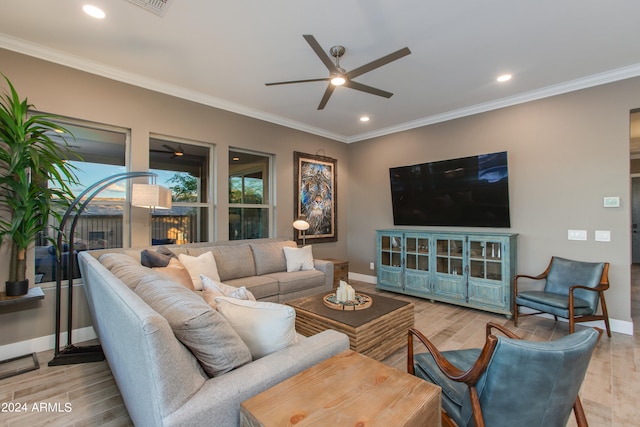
(315, 189)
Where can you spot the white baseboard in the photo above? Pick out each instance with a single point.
(45, 343)
(619, 326)
(363, 278)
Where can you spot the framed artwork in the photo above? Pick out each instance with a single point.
(316, 196)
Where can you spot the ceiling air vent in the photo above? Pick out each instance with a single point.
(159, 7)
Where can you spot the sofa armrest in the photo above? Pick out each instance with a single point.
(218, 400)
(327, 268)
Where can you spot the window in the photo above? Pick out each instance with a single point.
(184, 167)
(250, 200)
(102, 149)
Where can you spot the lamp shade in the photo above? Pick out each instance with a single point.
(150, 196)
(301, 223)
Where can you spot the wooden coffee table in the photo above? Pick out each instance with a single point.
(377, 331)
(348, 389)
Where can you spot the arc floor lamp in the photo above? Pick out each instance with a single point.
(142, 195)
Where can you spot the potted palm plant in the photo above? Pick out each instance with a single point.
(33, 176)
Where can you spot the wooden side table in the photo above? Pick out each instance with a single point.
(348, 389)
(340, 271)
(33, 294)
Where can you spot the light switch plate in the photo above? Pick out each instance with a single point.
(577, 235)
(603, 236)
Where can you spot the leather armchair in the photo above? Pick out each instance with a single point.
(509, 382)
(572, 291)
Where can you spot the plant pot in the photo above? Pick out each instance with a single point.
(15, 289)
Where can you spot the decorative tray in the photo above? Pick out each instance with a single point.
(360, 302)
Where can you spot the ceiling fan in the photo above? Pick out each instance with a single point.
(339, 76)
(175, 152)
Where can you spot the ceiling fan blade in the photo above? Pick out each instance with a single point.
(297, 81)
(170, 148)
(326, 96)
(368, 89)
(378, 63)
(326, 60)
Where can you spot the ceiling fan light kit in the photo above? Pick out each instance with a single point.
(338, 76)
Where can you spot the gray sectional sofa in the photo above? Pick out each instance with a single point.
(161, 381)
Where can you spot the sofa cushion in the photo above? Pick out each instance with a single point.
(234, 261)
(197, 265)
(260, 286)
(200, 328)
(299, 258)
(265, 327)
(298, 280)
(269, 257)
(212, 289)
(127, 269)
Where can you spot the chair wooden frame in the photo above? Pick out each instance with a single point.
(573, 319)
(473, 374)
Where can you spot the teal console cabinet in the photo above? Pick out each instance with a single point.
(469, 269)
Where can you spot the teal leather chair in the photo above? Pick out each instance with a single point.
(509, 382)
(572, 291)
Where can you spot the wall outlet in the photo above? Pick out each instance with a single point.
(603, 236)
(577, 235)
(372, 266)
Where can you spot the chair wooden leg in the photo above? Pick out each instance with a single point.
(515, 315)
(603, 304)
(578, 411)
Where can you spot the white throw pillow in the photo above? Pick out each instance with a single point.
(203, 264)
(212, 289)
(265, 327)
(299, 258)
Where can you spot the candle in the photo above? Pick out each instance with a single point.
(351, 294)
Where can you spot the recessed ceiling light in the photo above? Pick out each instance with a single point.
(93, 11)
(364, 118)
(504, 78)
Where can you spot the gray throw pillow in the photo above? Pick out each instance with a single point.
(200, 328)
(159, 258)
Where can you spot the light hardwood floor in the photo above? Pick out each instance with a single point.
(609, 393)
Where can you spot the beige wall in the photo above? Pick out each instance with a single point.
(68, 92)
(565, 154)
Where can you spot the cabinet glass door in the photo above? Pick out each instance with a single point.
(485, 259)
(391, 250)
(417, 253)
(449, 256)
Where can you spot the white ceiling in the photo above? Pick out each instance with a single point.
(221, 53)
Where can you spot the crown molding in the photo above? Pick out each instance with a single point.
(82, 64)
(549, 91)
(92, 67)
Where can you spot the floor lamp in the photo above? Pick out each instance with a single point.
(301, 224)
(142, 196)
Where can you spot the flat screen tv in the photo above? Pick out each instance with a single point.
(466, 192)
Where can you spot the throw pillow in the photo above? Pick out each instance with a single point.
(177, 272)
(159, 258)
(265, 327)
(203, 264)
(212, 289)
(205, 332)
(299, 258)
